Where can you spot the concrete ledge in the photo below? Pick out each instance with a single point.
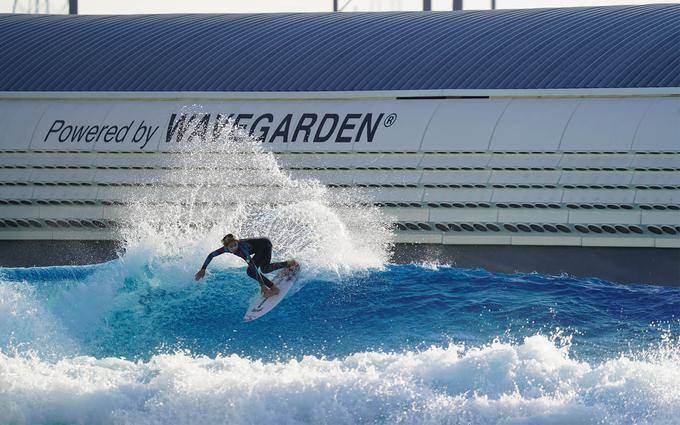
(667, 243)
(547, 240)
(618, 242)
(476, 240)
(405, 237)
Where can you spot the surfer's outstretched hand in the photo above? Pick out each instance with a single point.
(199, 275)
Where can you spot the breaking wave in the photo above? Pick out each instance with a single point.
(532, 382)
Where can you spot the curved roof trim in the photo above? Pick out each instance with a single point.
(614, 47)
(555, 93)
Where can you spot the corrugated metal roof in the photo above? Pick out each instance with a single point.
(602, 47)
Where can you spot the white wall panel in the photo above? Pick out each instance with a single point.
(532, 160)
(659, 197)
(147, 128)
(18, 211)
(527, 195)
(15, 174)
(406, 131)
(65, 192)
(463, 214)
(463, 125)
(134, 160)
(519, 177)
(16, 192)
(395, 195)
(596, 177)
(453, 160)
(660, 217)
(127, 176)
(532, 216)
(600, 160)
(48, 175)
(457, 195)
(532, 124)
(604, 216)
(604, 124)
(60, 159)
(17, 123)
(660, 128)
(659, 161)
(72, 126)
(324, 176)
(18, 159)
(386, 177)
(115, 193)
(71, 211)
(386, 160)
(604, 196)
(656, 177)
(409, 214)
(455, 177)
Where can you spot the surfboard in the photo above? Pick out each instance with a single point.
(284, 280)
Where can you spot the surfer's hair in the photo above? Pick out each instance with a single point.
(228, 238)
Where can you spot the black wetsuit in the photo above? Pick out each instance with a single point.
(260, 249)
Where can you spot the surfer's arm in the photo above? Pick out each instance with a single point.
(208, 259)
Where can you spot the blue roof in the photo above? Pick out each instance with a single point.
(601, 47)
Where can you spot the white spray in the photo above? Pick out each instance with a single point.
(232, 185)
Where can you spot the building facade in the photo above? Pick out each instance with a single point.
(498, 134)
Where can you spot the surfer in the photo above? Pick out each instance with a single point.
(257, 252)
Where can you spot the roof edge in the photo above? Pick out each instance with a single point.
(342, 95)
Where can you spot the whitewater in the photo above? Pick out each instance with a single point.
(358, 341)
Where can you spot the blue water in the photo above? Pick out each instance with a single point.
(406, 344)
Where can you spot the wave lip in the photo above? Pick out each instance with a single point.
(532, 382)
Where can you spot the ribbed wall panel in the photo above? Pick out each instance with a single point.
(604, 47)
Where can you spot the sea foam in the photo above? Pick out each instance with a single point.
(535, 381)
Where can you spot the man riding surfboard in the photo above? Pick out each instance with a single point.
(257, 253)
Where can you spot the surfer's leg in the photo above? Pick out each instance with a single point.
(268, 283)
(263, 257)
(263, 260)
(268, 268)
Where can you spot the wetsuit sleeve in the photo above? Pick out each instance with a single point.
(212, 255)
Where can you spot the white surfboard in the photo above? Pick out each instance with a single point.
(284, 281)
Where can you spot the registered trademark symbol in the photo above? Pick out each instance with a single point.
(390, 119)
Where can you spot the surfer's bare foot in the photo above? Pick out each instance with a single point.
(269, 292)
